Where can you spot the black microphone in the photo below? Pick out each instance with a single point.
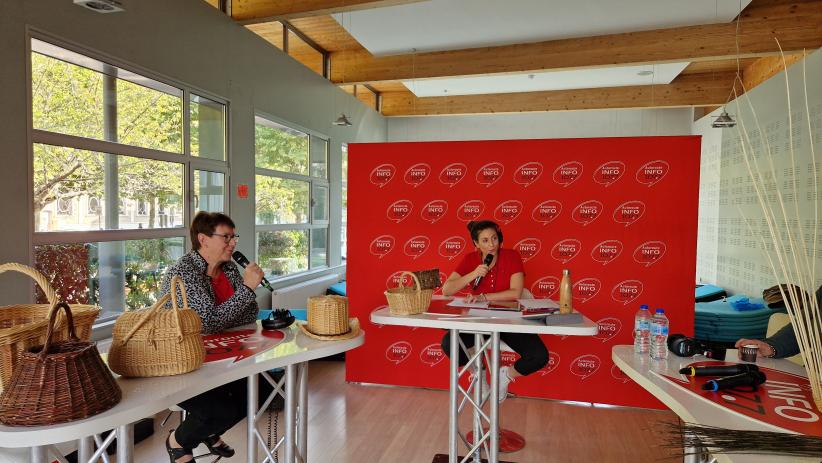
(488, 259)
(719, 370)
(752, 379)
(243, 261)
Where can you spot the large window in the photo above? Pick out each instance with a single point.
(291, 199)
(116, 156)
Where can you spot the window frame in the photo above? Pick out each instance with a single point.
(311, 225)
(120, 69)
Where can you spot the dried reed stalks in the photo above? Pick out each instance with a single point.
(697, 439)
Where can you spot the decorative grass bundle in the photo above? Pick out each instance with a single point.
(790, 258)
(721, 440)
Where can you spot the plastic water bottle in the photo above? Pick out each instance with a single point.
(642, 330)
(659, 335)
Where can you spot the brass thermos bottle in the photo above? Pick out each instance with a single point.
(565, 304)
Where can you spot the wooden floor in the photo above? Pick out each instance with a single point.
(351, 423)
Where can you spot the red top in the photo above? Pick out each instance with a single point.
(222, 288)
(498, 278)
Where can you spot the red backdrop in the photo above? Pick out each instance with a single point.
(620, 213)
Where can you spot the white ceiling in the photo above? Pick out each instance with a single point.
(436, 25)
(555, 80)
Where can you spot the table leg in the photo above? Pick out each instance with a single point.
(38, 454)
(691, 455)
(125, 443)
(290, 412)
(479, 375)
(85, 449)
(493, 450)
(302, 436)
(251, 418)
(454, 356)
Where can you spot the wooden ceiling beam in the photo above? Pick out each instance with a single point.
(709, 89)
(764, 68)
(797, 25)
(262, 11)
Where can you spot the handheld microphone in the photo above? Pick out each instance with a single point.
(488, 259)
(752, 379)
(243, 261)
(719, 370)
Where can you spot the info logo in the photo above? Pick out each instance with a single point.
(585, 365)
(432, 354)
(566, 250)
(607, 174)
(399, 210)
(553, 363)
(452, 246)
(453, 174)
(546, 211)
(507, 211)
(417, 174)
(398, 352)
(398, 279)
(606, 251)
(651, 173)
(527, 173)
(470, 210)
(587, 212)
(382, 174)
(382, 245)
(528, 248)
(629, 212)
(545, 287)
(627, 291)
(586, 289)
(619, 375)
(568, 173)
(650, 252)
(490, 173)
(416, 246)
(434, 211)
(607, 328)
(508, 358)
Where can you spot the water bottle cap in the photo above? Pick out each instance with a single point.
(660, 310)
(643, 307)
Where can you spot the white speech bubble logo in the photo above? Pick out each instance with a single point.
(399, 210)
(417, 174)
(490, 173)
(527, 173)
(629, 212)
(607, 328)
(606, 251)
(545, 287)
(568, 173)
(587, 212)
(619, 375)
(607, 174)
(398, 352)
(508, 211)
(452, 246)
(453, 173)
(528, 248)
(382, 245)
(553, 362)
(546, 211)
(586, 289)
(416, 246)
(470, 210)
(434, 210)
(432, 354)
(566, 250)
(382, 174)
(650, 252)
(585, 365)
(627, 291)
(652, 172)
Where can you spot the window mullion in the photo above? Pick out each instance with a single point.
(102, 146)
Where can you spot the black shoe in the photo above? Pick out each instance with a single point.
(223, 450)
(176, 453)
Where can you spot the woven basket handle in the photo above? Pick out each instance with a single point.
(52, 319)
(38, 277)
(417, 284)
(172, 295)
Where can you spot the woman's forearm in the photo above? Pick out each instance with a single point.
(454, 284)
(507, 295)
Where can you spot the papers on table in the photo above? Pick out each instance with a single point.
(528, 304)
(460, 302)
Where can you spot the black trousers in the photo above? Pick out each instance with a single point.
(214, 412)
(533, 354)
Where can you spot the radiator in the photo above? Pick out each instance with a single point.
(296, 296)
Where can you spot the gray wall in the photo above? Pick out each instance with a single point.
(184, 41)
(729, 254)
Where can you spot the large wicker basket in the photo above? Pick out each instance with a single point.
(404, 300)
(23, 326)
(58, 381)
(328, 315)
(157, 341)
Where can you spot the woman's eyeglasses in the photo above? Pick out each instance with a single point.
(227, 237)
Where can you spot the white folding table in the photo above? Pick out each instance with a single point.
(473, 395)
(144, 397)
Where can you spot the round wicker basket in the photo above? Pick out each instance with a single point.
(328, 315)
(404, 300)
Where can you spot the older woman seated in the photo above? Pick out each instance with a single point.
(224, 298)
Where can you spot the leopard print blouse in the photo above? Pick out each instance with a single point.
(240, 309)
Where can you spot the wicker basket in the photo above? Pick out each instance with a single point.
(328, 315)
(156, 341)
(429, 279)
(404, 300)
(24, 326)
(59, 381)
